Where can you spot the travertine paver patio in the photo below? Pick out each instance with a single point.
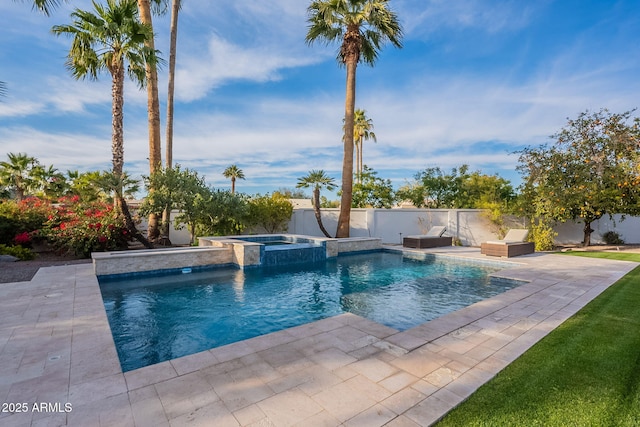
(56, 348)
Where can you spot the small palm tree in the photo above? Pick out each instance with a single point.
(362, 27)
(317, 180)
(234, 173)
(16, 173)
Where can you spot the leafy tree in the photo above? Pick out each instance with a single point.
(592, 170)
(270, 212)
(224, 213)
(434, 188)
(317, 180)
(112, 39)
(16, 174)
(292, 193)
(362, 27)
(233, 172)
(177, 189)
(373, 191)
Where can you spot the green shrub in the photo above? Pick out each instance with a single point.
(272, 213)
(23, 254)
(612, 238)
(542, 235)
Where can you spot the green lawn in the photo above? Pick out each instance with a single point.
(584, 373)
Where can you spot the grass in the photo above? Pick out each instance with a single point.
(584, 373)
(621, 256)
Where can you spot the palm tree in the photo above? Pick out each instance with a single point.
(16, 173)
(234, 173)
(317, 179)
(48, 182)
(46, 6)
(113, 40)
(362, 26)
(361, 132)
(3, 88)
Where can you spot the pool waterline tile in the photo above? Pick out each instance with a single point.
(427, 402)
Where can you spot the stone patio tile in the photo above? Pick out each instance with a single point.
(375, 416)
(239, 393)
(231, 351)
(97, 389)
(113, 411)
(411, 339)
(442, 376)
(425, 387)
(420, 362)
(398, 381)
(183, 394)
(367, 387)
(251, 415)
(193, 362)
(215, 414)
(403, 400)
(428, 411)
(343, 401)
(149, 375)
(374, 369)
(289, 408)
(402, 421)
(271, 340)
(285, 359)
(332, 358)
(321, 419)
(50, 420)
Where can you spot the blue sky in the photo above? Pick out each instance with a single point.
(475, 81)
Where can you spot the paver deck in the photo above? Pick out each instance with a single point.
(56, 349)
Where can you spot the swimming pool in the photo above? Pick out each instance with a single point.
(159, 318)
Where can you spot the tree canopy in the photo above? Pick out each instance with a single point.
(457, 189)
(592, 170)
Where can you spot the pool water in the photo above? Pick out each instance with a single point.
(154, 319)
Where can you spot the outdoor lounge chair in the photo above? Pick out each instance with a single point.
(513, 244)
(432, 239)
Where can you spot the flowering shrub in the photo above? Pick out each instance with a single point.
(18, 217)
(23, 239)
(82, 228)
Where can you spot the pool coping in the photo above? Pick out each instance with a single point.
(56, 348)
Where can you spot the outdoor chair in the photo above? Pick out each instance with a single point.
(513, 244)
(432, 239)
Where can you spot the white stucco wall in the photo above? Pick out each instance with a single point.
(468, 225)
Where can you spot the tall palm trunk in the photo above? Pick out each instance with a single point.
(153, 111)
(117, 118)
(360, 165)
(233, 185)
(347, 162)
(175, 7)
(173, 36)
